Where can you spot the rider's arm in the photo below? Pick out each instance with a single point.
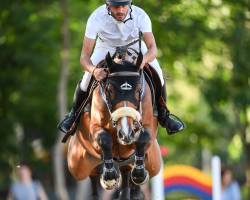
(85, 61)
(151, 54)
(87, 48)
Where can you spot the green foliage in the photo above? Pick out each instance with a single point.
(235, 148)
(29, 66)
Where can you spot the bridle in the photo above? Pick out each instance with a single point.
(122, 50)
(127, 96)
(106, 97)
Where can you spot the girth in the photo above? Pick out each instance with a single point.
(124, 161)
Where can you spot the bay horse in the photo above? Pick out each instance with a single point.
(119, 131)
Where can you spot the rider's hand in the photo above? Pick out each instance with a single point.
(142, 64)
(99, 74)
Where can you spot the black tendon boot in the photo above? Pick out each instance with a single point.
(67, 123)
(164, 117)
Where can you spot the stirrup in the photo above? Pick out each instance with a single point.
(60, 123)
(72, 129)
(173, 132)
(71, 132)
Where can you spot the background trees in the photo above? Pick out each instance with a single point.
(203, 47)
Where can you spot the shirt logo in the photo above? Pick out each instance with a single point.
(126, 86)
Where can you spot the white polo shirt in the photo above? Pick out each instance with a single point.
(112, 33)
(117, 33)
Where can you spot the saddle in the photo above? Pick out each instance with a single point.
(154, 83)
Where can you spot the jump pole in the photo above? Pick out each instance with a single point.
(157, 185)
(216, 176)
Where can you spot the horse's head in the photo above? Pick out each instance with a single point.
(123, 94)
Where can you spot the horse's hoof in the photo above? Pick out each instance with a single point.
(94, 197)
(136, 193)
(124, 194)
(110, 184)
(139, 196)
(139, 180)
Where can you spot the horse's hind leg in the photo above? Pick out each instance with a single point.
(94, 177)
(124, 193)
(139, 174)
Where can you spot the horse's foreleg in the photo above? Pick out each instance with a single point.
(139, 174)
(109, 178)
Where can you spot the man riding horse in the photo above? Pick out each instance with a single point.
(117, 24)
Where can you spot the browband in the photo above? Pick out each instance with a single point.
(124, 74)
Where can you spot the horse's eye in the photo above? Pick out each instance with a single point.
(111, 89)
(111, 93)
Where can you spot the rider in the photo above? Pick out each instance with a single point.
(117, 24)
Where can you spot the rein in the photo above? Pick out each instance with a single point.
(79, 111)
(124, 49)
(120, 50)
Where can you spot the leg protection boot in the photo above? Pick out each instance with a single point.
(166, 121)
(67, 123)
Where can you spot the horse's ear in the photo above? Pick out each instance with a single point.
(109, 60)
(139, 60)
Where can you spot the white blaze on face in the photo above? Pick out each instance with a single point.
(124, 123)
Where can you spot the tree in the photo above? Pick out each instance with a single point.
(57, 156)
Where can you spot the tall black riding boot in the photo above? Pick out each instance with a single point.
(67, 123)
(164, 117)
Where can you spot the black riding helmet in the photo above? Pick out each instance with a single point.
(118, 2)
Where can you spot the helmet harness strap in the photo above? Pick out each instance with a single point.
(130, 13)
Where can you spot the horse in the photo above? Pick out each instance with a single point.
(119, 132)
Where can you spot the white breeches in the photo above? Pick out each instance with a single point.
(100, 52)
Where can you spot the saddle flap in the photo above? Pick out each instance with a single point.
(155, 79)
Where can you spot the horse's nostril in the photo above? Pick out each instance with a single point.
(121, 134)
(132, 134)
